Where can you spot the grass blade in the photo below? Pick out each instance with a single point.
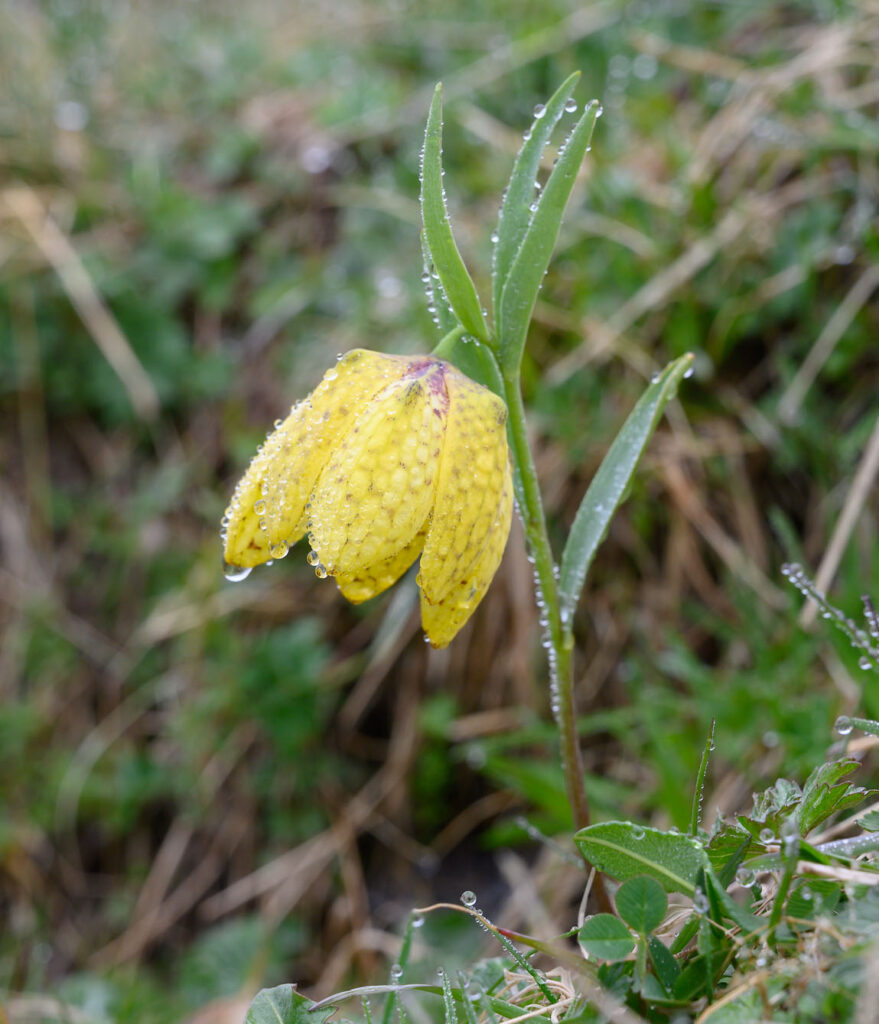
(515, 213)
(519, 291)
(442, 251)
(610, 483)
(700, 782)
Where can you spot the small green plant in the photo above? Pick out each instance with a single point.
(769, 915)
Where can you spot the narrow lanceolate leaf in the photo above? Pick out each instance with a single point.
(441, 248)
(443, 316)
(610, 483)
(519, 290)
(515, 212)
(624, 851)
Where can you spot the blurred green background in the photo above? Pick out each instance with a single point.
(206, 786)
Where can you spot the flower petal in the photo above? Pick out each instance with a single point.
(474, 468)
(265, 514)
(442, 619)
(376, 491)
(366, 583)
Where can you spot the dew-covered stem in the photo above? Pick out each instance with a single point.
(557, 635)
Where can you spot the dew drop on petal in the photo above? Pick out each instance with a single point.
(236, 573)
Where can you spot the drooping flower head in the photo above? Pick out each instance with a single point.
(389, 458)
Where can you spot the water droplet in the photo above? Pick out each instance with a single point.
(320, 571)
(843, 725)
(533, 207)
(312, 558)
(745, 877)
(571, 106)
(396, 972)
(700, 902)
(494, 237)
(539, 110)
(418, 920)
(468, 898)
(280, 549)
(259, 507)
(638, 832)
(236, 573)
(767, 835)
(864, 663)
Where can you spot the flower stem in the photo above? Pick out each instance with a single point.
(558, 633)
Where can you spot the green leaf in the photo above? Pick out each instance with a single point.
(774, 804)
(623, 851)
(727, 849)
(515, 212)
(826, 792)
(284, 1005)
(519, 291)
(442, 251)
(444, 318)
(664, 963)
(641, 903)
(869, 822)
(610, 483)
(606, 937)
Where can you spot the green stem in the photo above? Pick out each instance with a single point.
(558, 633)
(444, 346)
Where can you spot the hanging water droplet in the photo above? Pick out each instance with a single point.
(312, 558)
(280, 549)
(236, 573)
(396, 972)
(418, 920)
(843, 725)
(468, 898)
(571, 106)
(320, 571)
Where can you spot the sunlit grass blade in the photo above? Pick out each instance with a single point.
(515, 212)
(519, 290)
(441, 249)
(610, 483)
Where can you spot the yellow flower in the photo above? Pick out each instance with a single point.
(389, 458)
